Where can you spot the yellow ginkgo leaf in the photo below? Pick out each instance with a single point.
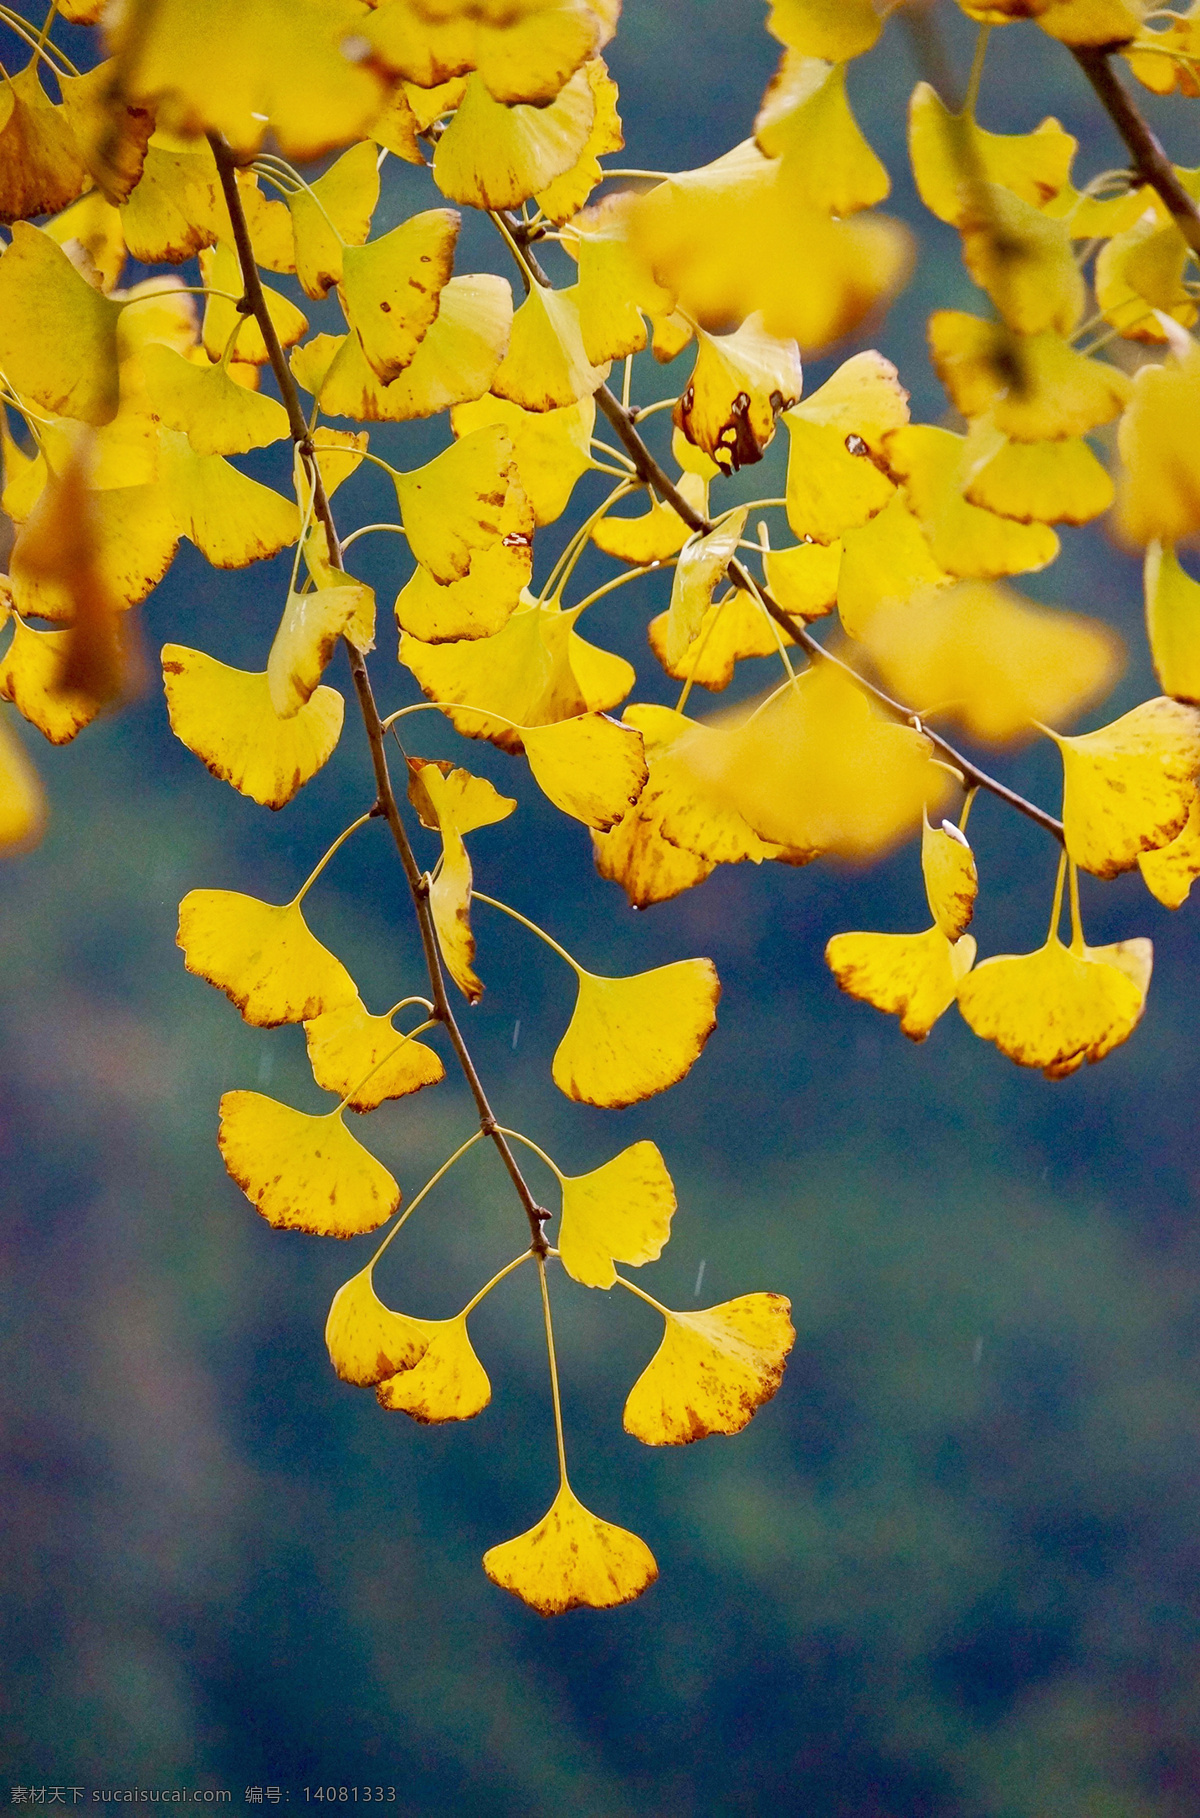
(219, 416)
(629, 1038)
(685, 797)
(536, 671)
(1170, 871)
(888, 558)
(564, 196)
(220, 269)
(1058, 482)
(1094, 22)
(58, 336)
(1023, 259)
(262, 956)
(835, 29)
(591, 768)
(818, 769)
(367, 1341)
(654, 535)
(739, 384)
(806, 120)
(1173, 623)
(1128, 787)
(243, 67)
(913, 976)
(550, 447)
(332, 213)
(951, 878)
(572, 1560)
(649, 868)
(616, 288)
(232, 519)
(176, 208)
(951, 154)
(397, 128)
(702, 563)
(111, 138)
(837, 471)
(41, 169)
(132, 530)
(455, 804)
(964, 539)
(524, 51)
(546, 366)
(22, 802)
(497, 157)
(1054, 1008)
(1158, 493)
(303, 1173)
(713, 1370)
(225, 716)
(454, 363)
(991, 659)
(92, 226)
(308, 634)
(365, 1059)
(731, 629)
(30, 672)
(620, 1212)
(1035, 386)
(702, 234)
(478, 606)
(447, 1382)
(456, 503)
(803, 580)
(390, 288)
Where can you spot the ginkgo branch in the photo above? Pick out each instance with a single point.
(653, 475)
(255, 297)
(1150, 161)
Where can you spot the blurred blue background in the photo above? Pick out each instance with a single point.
(950, 1571)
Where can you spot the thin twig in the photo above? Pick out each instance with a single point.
(650, 471)
(1150, 161)
(255, 303)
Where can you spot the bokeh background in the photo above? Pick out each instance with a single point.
(951, 1570)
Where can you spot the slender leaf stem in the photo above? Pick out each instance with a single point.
(558, 1419)
(477, 896)
(497, 1278)
(340, 841)
(430, 1184)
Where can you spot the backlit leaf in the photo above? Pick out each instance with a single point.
(41, 169)
(731, 629)
(58, 336)
(365, 1060)
(447, 1382)
(649, 868)
(1173, 623)
(713, 1370)
(303, 1173)
(551, 448)
(367, 1341)
(806, 120)
(1158, 493)
(951, 153)
(951, 879)
(964, 539)
(335, 212)
(1170, 871)
(262, 956)
(308, 634)
(1054, 1008)
(702, 563)
(225, 716)
(739, 384)
(219, 416)
(455, 504)
(571, 1560)
(913, 976)
(390, 288)
(1036, 386)
(629, 1038)
(620, 1212)
(455, 804)
(30, 677)
(497, 157)
(1128, 787)
(546, 366)
(654, 535)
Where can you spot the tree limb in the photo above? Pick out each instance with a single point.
(387, 806)
(1150, 161)
(649, 470)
